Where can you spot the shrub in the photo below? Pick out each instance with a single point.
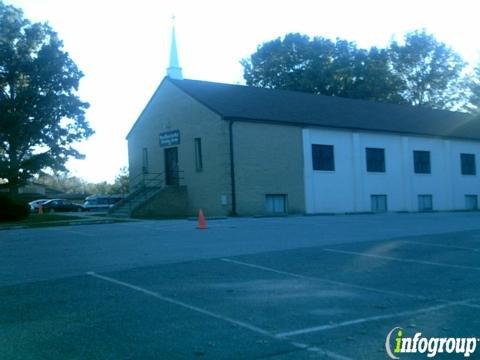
(12, 209)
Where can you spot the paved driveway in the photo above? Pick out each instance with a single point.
(282, 288)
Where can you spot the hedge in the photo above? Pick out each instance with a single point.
(12, 209)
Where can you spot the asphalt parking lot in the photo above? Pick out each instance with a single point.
(279, 288)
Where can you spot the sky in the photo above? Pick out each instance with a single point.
(122, 47)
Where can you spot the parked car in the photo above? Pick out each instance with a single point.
(101, 202)
(34, 205)
(61, 205)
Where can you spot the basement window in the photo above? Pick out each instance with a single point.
(471, 202)
(425, 203)
(378, 203)
(276, 203)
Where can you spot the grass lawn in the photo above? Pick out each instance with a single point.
(40, 219)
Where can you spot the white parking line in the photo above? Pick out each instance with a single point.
(238, 323)
(438, 245)
(433, 263)
(332, 282)
(367, 319)
(466, 303)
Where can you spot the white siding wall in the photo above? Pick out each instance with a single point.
(349, 187)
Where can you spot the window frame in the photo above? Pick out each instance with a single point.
(475, 198)
(198, 154)
(423, 197)
(420, 165)
(144, 160)
(374, 202)
(374, 162)
(465, 168)
(322, 162)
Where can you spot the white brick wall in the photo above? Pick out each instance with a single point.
(349, 187)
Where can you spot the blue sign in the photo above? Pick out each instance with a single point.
(170, 138)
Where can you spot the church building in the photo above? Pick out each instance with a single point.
(239, 150)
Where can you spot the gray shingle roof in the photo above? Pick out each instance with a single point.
(304, 109)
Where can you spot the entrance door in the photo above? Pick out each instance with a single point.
(171, 166)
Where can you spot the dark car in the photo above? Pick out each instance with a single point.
(61, 205)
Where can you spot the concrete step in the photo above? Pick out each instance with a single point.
(125, 209)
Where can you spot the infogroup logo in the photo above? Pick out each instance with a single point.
(397, 343)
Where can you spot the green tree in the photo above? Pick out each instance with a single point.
(420, 71)
(64, 182)
(41, 116)
(323, 66)
(474, 86)
(430, 71)
(122, 182)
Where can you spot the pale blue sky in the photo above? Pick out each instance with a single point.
(122, 47)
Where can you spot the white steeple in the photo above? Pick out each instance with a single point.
(174, 70)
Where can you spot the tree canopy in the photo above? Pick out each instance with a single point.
(418, 71)
(41, 116)
(322, 66)
(75, 185)
(430, 72)
(475, 91)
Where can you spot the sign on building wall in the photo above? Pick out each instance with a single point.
(170, 138)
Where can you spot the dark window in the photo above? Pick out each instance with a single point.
(375, 160)
(425, 203)
(145, 160)
(322, 157)
(421, 162)
(198, 154)
(468, 164)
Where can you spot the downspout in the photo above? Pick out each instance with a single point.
(232, 170)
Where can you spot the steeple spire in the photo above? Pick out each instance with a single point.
(174, 70)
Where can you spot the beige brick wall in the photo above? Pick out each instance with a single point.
(268, 160)
(172, 109)
(172, 201)
(268, 157)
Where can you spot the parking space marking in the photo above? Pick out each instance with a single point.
(423, 262)
(438, 245)
(466, 303)
(238, 323)
(332, 282)
(368, 319)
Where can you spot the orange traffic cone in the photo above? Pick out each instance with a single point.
(40, 210)
(202, 224)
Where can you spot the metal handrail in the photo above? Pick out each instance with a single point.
(149, 179)
(152, 180)
(142, 182)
